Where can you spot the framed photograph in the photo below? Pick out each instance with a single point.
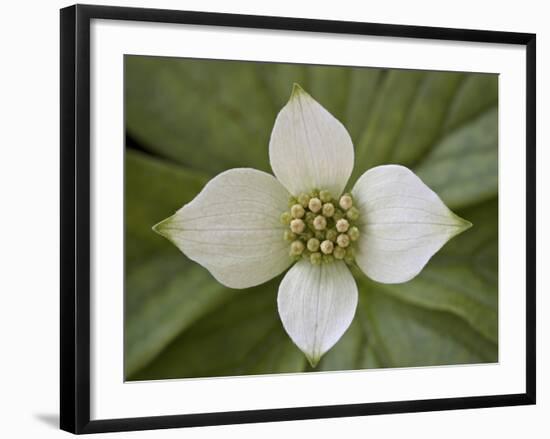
(268, 218)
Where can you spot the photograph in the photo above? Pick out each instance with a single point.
(295, 218)
(270, 220)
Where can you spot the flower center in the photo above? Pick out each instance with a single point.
(321, 228)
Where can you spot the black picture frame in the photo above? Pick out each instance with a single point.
(75, 217)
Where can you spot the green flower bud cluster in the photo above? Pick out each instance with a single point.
(321, 229)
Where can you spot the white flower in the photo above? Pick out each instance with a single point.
(244, 230)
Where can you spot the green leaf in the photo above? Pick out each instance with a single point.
(205, 114)
(163, 298)
(363, 89)
(330, 86)
(397, 93)
(404, 335)
(463, 277)
(426, 116)
(477, 93)
(242, 337)
(463, 168)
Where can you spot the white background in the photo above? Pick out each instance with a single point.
(30, 204)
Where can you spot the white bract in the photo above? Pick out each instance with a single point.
(245, 231)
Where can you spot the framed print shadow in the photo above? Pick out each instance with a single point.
(305, 218)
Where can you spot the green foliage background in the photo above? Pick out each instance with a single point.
(188, 120)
